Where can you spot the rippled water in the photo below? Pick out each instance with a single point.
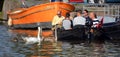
(12, 45)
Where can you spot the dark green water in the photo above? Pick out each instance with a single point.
(11, 45)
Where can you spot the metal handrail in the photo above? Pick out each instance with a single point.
(107, 9)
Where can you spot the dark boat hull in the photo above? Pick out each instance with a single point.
(102, 33)
(68, 34)
(111, 27)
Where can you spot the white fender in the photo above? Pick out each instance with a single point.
(9, 21)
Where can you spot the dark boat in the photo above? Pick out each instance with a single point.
(109, 25)
(68, 34)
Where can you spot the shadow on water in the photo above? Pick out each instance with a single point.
(12, 45)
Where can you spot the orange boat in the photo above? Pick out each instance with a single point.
(39, 15)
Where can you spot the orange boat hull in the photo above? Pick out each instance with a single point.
(38, 14)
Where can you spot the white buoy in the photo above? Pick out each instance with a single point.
(32, 40)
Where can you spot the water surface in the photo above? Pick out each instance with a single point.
(12, 45)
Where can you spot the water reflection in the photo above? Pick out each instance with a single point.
(63, 48)
(46, 33)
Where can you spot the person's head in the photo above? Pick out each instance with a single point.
(79, 12)
(59, 13)
(85, 12)
(92, 15)
(67, 15)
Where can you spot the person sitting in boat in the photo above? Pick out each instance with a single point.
(85, 13)
(95, 21)
(79, 21)
(76, 13)
(94, 28)
(67, 22)
(79, 25)
(88, 23)
(57, 20)
(97, 32)
(88, 19)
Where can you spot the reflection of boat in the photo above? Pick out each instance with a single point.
(39, 15)
(32, 33)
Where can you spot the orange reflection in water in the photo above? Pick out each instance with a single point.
(45, 33)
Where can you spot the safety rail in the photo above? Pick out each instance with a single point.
(104, 9)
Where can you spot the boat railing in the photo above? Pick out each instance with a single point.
(112, 10)
(115, 10)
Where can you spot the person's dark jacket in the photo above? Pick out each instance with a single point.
(89, 22)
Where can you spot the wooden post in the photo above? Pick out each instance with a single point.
(1, 4)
